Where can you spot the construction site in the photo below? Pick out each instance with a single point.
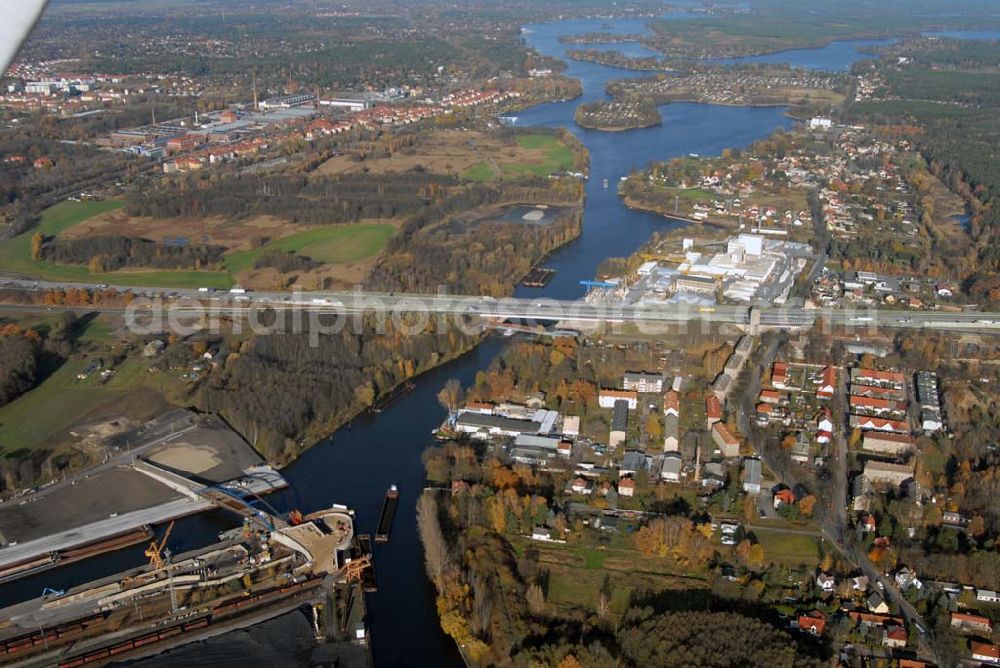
(270, 565)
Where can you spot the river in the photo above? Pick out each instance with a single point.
(356, 465)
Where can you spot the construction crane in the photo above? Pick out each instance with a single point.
(354, 569)
(155, 552)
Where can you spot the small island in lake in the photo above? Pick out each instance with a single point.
(600, 38)
(617, 115)
(612, 58)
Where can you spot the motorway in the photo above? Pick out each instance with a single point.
(194, 304)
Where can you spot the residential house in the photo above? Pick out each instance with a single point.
(827, 385)
(884, 472)
(541, 533)
(784, 497)
(672, 403)
(723, 384)
(713, 474)
(626, 486)
(813, 622)
(824, 426)
(859, 583)
(768, 412)
(713, 410)
(671, 433)
(870, 619)
(826, 582)
(779, 375)
(889, 443)
(893, 379)
(880, 424)
(824, 420)
(619, 423)
(728, 444)
(801, 449)
(877, 392)
(751, 475)
(581, 486)
(877, 604)
(643, 382)
(607, 398)
(895, 637)
(986, 652)
(913, 663)
(987, 596)
(770, 396)
(953, 519)
(967, 622)
(905, 578)
(671, 469)
(634, 461)
(875, 406)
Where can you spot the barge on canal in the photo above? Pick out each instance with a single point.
(388, 513)
(538, 277)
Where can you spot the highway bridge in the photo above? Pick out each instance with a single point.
(180, 304)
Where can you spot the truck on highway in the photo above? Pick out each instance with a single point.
(237, 290)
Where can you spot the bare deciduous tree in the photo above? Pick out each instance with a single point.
(435, 546)
(451, 394)
(536, 599)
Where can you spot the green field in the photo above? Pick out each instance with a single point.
(576, 589)
(479, 172)
(332, 244)
(558, 156)
(15, 255)
(97, 330)
(576, 574)
(788, 549)
(33, 419)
